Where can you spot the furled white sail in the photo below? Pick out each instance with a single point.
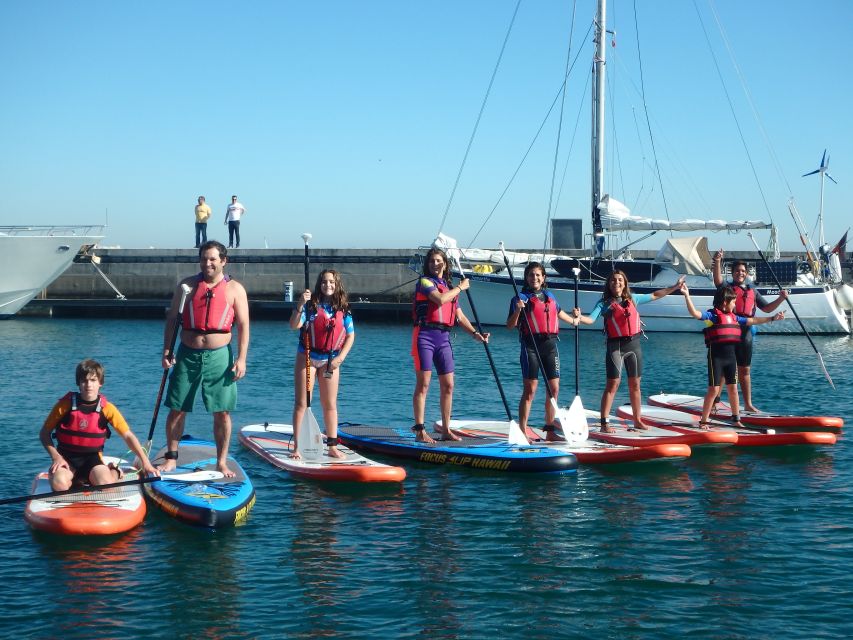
(615, 216)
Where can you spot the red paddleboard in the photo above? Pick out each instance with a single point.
(689, 423)
(587, 452)
(97, 512)
(722, 411)
(625, 433)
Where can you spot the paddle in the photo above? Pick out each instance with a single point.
(192, 476)
(309, 439)
(578, 428)
(514, 434)
(790, 304)
(185, 291)
(560, 415)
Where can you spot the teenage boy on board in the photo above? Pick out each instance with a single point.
(748, 300)
(722, 335)
(205, 359)
(80, 421)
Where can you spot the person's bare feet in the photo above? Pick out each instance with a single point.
(752, 409)
(223, 468)
(447, 434)
(423, 436)
(167, 466)
(334, 452)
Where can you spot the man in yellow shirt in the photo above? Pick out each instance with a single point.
(202, 213)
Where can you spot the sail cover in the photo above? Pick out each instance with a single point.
(686, 255)
(615, 216)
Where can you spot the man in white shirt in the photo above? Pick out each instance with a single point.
(232, 219)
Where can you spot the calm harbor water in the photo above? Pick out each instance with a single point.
(727, 544)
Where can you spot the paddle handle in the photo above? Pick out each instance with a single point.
(576, 272)
(305, 238)
(98, 487)
(185, 291)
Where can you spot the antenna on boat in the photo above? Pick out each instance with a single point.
(823, 170)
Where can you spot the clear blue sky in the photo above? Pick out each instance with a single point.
(349, 120)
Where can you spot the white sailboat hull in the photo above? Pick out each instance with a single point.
(33, 257)
(815, 305)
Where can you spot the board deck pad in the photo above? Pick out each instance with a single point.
(274, 443)
(222, 502)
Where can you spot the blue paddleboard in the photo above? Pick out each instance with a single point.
(489, 453)
(221, 502)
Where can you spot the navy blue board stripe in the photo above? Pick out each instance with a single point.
(493, 454)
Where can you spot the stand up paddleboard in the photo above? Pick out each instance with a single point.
(689, 423)
(587, 452)
(215, 503)
(489, 453)
(627, 434)
(97, 512)
(274, 443)
(722, 411)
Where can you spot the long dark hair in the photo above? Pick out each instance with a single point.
(530, 267)
(340, 301)
(426, 271)
(626, 294)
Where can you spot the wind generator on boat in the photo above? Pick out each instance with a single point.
(819, 296)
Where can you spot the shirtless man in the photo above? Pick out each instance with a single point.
(204, 358)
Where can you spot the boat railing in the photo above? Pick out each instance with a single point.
(65, 230)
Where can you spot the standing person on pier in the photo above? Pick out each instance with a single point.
(233, 214)
(435, 312)
(202, 215)
(205, 359)
(748, 300)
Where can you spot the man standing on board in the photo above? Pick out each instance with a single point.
(233, 214)
(748, 300)
(204, 358)
(202, 215)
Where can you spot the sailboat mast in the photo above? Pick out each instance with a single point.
(598, 125)
(820, 211)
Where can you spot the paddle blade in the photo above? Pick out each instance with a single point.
(309, 439)
(825, 372)
(514, 435)
(572, 421)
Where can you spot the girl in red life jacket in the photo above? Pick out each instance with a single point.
(538, 334)
(722, 335)
(436, 312)
(325, 316)
(748, 300)
(623, 329)
(81, 421)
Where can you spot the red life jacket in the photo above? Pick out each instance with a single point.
(327, 332)
(745, 301)
(542, 314)
(82, 432)
(622, 321)
(725, 328)
(425, 313)
(208, 310)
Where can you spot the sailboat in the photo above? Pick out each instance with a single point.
(822, 300)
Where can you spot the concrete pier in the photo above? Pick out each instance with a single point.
(379, 281)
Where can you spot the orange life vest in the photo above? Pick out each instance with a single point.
(621, 319)
(542, 314)
(426, 313)
(725, 329)
(208, 310)
(745, 301)
(82, 432)
(327, 332)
